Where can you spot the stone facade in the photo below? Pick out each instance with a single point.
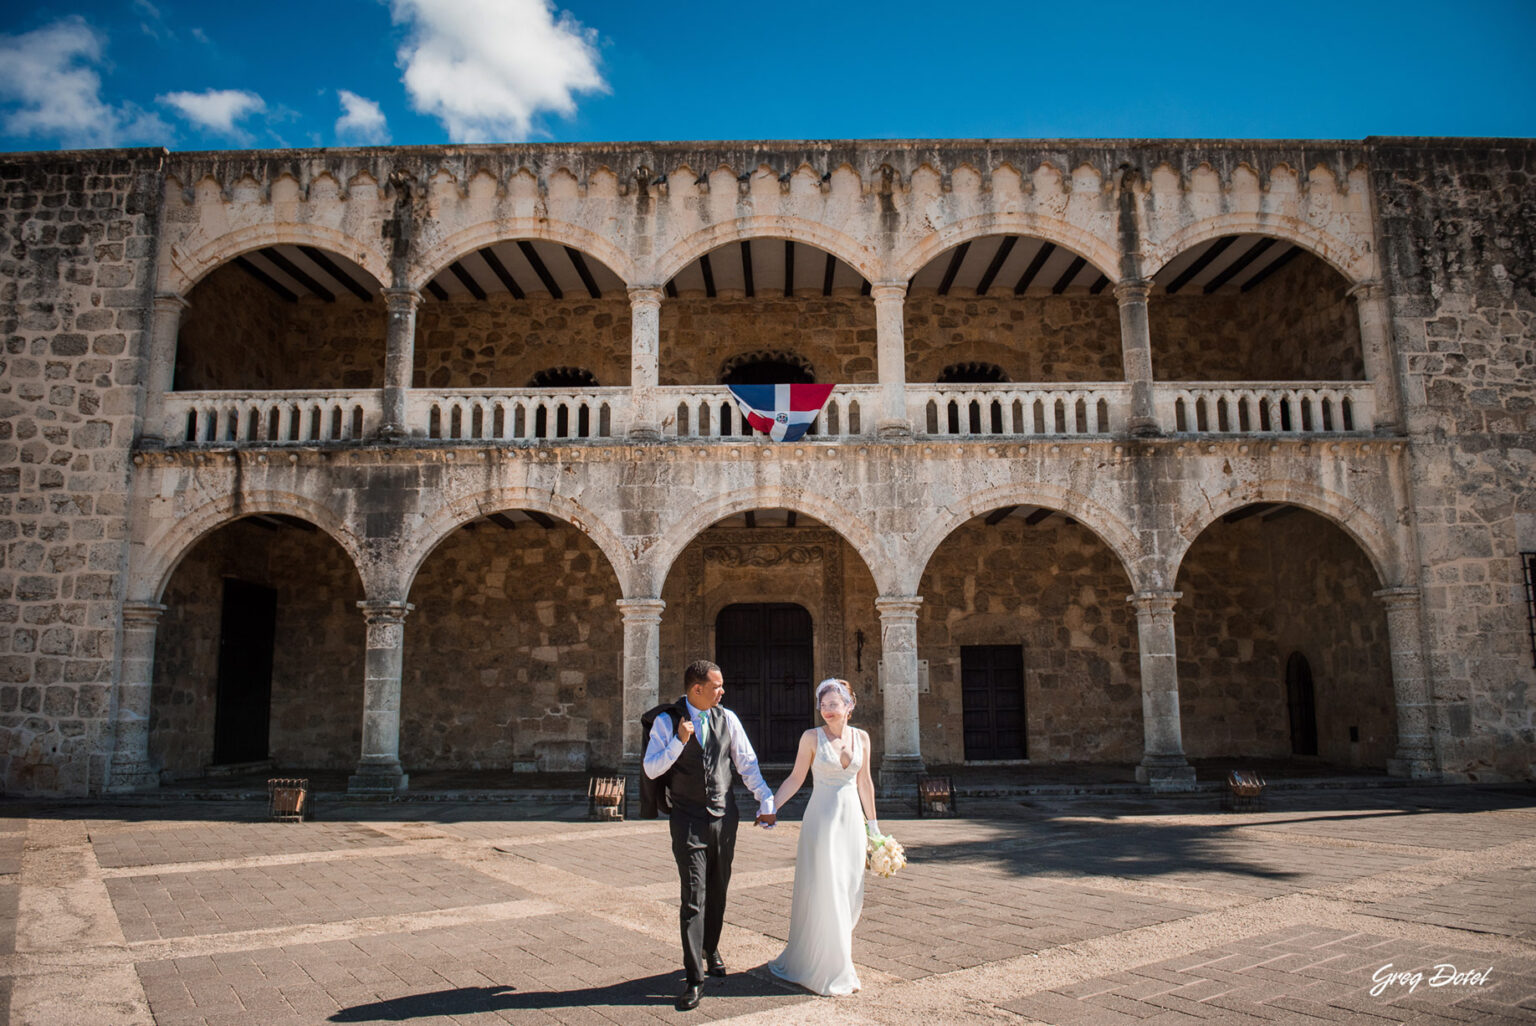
(1150, 568)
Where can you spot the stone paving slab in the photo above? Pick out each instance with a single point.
(213, 842)
(544, 969)
(1299, 975)
(1468, 831)
(231, 900)
(1502, 902)
(11, 844)
(632, 858)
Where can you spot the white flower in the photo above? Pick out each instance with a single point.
(884, 855)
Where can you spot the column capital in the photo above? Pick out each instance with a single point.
(645, 295)
(384, 610)
(142, 615)
(641, 610)
(1370, 288)
(400, 298)
(168, 301)
(1133, 290)
(1152, 602)
(888, 291)
(1398, 598)
(896, 606)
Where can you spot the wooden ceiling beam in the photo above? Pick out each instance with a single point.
(438, 292)
(532, 256)
(1247, 511)
(544, 520)
(584, 272)
(1273, 266)
(287, 294)
(826, 277)
(671, 288)
(1201, 263)
(1038, 515)
(467, 280)
(337, 273)
(1028, 277)
(502, 520)
(953, 268)
(503, 275)
(746, 267)
(1077, 264)
(1239, 265)
(293, 271)
(1099, 286)
(789, 268)
(790, 517)
(709, 276)
(1003, 249)
(997, 516)
(750, 516)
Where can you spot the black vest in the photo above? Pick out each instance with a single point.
(700, 781)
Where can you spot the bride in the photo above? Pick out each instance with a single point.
(829, 864)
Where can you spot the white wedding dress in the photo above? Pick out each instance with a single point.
(829, 876)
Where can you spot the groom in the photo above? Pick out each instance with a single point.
(693, 748)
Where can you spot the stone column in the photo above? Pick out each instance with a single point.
(642, 673)
(1162, 762)
(399, 359)
(644, 361)
(378, 768)
(1136, 353)
(1415, 756)
(902, 760)
(1376, 352)
(160, 364)
(130, 768)
(891, 358)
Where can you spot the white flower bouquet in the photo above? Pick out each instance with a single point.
(883, 855)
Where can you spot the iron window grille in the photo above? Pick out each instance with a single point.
(1528, 561)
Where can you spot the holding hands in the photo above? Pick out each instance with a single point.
(766, 820)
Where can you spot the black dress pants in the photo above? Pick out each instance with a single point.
(703, 847)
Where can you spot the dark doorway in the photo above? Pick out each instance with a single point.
(765, 654)
(992, 696)
(247, 633)
(1301, 698)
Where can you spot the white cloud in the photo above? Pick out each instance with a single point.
(48, 79)
(361, 121)
(215, 109)
(486, 68)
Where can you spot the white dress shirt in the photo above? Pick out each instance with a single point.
(665, 746)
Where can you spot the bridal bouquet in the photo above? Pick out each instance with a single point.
(884, 855)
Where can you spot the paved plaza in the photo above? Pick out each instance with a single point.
(1079, 911)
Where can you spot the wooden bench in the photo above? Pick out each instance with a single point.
(1245, 791)
(936, 796)
(606, 798)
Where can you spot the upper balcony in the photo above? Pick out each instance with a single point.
(1001, 337)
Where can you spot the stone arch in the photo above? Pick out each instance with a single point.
(1367, 531)
(181, 271)
(1102, 253)
(1354, 265)
(657, 564)
(442, 522)
(160, 555)
(845, 247)
(427, 264)
(1112, 530)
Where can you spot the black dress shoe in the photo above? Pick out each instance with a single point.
(716, 964)
(688, 1000)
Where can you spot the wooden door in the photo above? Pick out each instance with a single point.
(992, 699)
(765, 653)
(243, 707)
(1301, 699)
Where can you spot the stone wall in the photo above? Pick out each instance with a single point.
(513, 653)
(836, 334)
(1460, 270)
(1059, 592)
(317, 668)
(503, 342)
(1254, 592)
(1054, 338)
(76, 274)
(237, 334)
(1298, 325)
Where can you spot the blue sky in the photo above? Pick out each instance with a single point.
(207, 75)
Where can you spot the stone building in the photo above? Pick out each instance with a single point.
(402, 460)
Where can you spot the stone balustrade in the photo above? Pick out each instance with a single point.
(1263, 407)
(708, 411)
(517, 415)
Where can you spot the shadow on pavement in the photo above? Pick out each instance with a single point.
(660, 990)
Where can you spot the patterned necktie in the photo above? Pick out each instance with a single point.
(703, 730)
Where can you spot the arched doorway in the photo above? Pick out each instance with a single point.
(1301, 702)
(766, 652)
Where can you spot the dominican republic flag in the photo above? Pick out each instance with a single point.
(782, 412)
